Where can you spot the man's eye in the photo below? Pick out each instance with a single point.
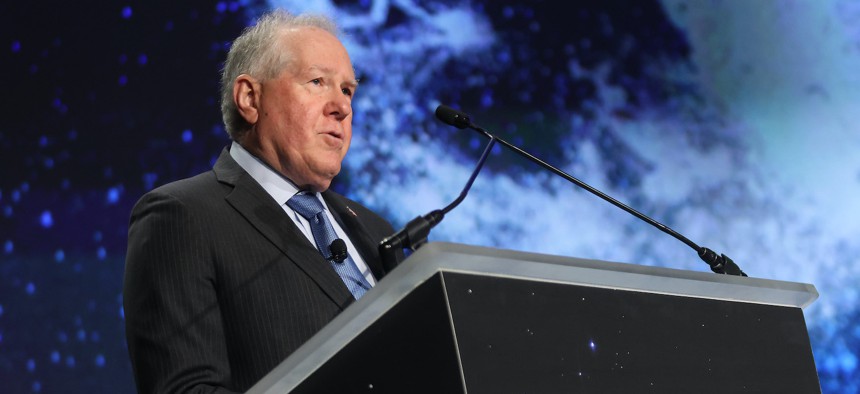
(347, 91)
(316, 81)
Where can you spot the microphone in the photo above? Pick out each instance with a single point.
(720, 264)
(338, 251)
(452, 117)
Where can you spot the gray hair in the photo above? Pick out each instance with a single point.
(256, 52)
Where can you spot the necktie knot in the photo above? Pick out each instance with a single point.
(306, 204)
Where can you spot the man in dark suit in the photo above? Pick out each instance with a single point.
(223, 279)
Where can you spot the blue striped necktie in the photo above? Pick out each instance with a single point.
(310, 207)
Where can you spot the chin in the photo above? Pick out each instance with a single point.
(323, 183)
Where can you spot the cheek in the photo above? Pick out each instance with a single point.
(347, 139)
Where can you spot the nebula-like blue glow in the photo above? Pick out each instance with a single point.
(733, 122)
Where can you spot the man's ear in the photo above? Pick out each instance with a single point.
(246, 95)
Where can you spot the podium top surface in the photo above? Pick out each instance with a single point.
(441, 256)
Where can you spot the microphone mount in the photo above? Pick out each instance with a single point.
(415, 233)
(720, 264)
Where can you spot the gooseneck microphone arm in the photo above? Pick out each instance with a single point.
(721, 264)
(415, 233)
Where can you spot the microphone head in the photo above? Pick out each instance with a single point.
(453, 117)
(338, 250)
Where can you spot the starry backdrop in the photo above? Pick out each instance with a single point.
(733, 122)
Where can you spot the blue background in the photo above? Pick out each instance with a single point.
(733, 122)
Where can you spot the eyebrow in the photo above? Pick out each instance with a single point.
(352, 83)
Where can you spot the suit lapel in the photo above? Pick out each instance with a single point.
(262, 212)
(358, 233)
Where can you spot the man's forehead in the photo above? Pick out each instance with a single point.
(297, 39)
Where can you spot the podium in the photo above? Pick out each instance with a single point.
(463, 319)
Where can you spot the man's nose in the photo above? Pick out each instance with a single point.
(339, 106)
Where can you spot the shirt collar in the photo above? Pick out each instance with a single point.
(277, 185)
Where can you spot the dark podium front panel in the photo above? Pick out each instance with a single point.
(459, 319)
(596, 340)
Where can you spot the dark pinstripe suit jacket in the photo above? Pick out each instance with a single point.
(220, 285)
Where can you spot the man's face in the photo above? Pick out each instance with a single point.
(305, 114)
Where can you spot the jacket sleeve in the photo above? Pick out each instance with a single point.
(173, 321)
